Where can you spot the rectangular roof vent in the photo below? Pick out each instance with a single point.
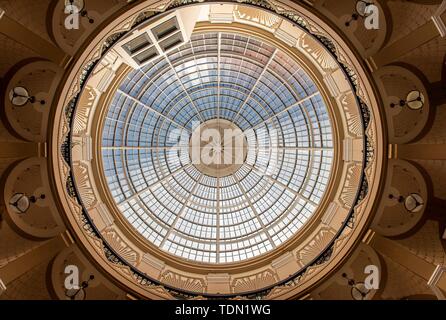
(153, 39)
(137, 44)
(166, 28)
(146, 55)
(171, 41)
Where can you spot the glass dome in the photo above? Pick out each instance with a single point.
(218, 150)
(218, 212)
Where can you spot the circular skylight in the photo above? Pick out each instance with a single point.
(220, 151)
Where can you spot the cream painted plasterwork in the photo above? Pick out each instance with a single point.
(73, 178)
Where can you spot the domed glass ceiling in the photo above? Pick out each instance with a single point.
(218, 213)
